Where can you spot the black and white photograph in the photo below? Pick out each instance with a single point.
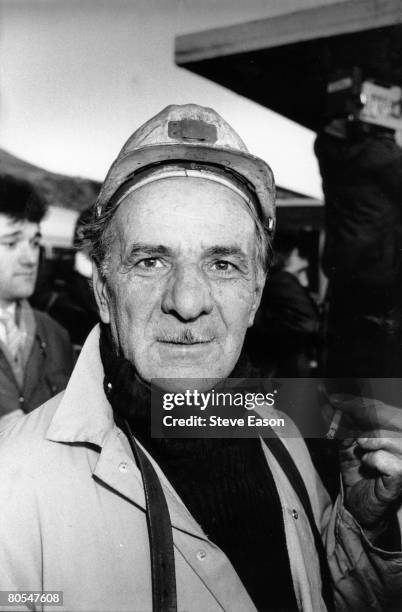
(201, 305)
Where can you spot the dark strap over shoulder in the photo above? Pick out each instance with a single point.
(282, 455)
(164, 598)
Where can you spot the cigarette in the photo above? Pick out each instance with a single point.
(333, 428)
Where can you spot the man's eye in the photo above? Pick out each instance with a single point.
(36, 243)
(223, 266)
(150, 263)
(10, 244)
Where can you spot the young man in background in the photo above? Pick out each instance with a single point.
(36, 357)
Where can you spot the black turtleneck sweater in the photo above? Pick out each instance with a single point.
(226, 485)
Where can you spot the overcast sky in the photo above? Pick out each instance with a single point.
(78, 76)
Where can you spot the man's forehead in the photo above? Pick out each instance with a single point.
(176, 237)
(177, 208)
(10, 226)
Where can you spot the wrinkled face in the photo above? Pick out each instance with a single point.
(19, 257)
(182, 285)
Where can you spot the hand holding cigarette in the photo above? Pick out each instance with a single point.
(371, 457)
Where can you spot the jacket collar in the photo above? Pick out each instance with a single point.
(84, 413)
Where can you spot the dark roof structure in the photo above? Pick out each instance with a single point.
(283, 62)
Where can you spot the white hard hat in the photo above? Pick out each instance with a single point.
(195, 134)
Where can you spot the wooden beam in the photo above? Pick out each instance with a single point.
(308, 24)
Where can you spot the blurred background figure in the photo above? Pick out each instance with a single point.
(285, 337)
(36, 356)
(68, 297)
(361, 168)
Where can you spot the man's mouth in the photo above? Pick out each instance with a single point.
(27, 277)
(27, 273)
(185, 338)
(186, 343)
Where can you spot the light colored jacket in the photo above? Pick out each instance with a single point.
(73, 519)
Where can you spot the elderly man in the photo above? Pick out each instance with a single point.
(36, 357)
(92, 504)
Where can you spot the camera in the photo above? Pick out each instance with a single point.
(366, 101)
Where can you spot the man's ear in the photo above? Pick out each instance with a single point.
(261, 277)
(101, 294)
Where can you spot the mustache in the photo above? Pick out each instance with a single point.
(186, 336)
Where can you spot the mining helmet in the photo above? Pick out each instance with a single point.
(196, 140)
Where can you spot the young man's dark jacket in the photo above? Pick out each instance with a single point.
(49, 363)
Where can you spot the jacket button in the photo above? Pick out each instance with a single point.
(295, 514)
(21, 399)
(123, 467)
(201, 555)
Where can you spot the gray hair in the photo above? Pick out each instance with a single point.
(97, 239)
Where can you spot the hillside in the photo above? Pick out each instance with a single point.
(58, 189)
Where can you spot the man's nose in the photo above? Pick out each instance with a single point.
(29, 254)
(188, 294)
